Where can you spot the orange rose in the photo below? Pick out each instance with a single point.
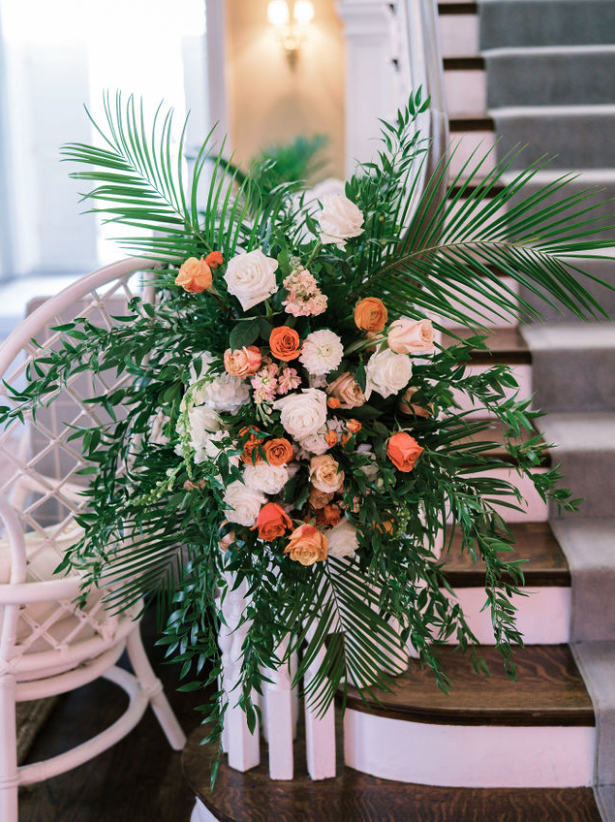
(284, 343)
(250, 446)
(345, 438)
(272, 522)
(318, 499)
(333, 402)
(307, 545)
(242, 362)
(278, 452)
(194, 276)
(329, 515)
(354, 426)
(370, 314)
(403, 451)
(331, 438)
(214, 259)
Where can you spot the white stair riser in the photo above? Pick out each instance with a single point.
(543, 617)
(464, 144)
(523, 375)
(533, 510)
(459, 35)
(488, 312)
(466, 92)
(469, 756)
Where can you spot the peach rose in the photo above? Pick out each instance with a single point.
(403, 451)
(284, 343)
(194, 276)
(307, 545)
(408, 336)
(325, 474)
(347, 390)
(278, 451)
(242, 362)
(329, 515)
(370, 314)
(227, 540)
(272, 522)
(214, 259)
(318, 499)
(406, 406)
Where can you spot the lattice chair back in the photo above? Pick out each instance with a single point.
(41, 484)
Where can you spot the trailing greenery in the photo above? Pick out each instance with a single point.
(157, 508)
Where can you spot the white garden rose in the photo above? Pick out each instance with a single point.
(270, 479)
(225, 394)
(243, 504)
(208, 449)
(302, 414)
(343, 540)
(340, 219)
(315, 443)
(251, 278)
(387, 373)
(321, 352)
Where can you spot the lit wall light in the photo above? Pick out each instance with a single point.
(292, 30)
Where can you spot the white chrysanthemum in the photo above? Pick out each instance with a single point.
(243, 504)
(321, 352)
(387, 373)
(225, 394)
(343, 540)
(270, 479)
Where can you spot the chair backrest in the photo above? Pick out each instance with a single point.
(39, 482)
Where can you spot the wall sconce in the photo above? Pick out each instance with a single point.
(292, 30)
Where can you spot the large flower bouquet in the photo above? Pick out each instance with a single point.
(292, 420)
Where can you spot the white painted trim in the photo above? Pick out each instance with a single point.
(537, 51)
(217, 81)
(599, 110)
(469, 756)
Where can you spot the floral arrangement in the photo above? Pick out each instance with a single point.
(292, 418)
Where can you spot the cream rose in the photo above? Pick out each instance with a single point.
(325, 474)
(251, 278)
(387, 373)
(269, 479)
(343, 541)
(243, 504)
(408, 336)
(339, 220)
(225, 394)
(303, 414)
(347, 390)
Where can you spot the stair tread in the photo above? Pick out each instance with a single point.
(548, 690)
(506, 345)
(569, 336)
(534, 541)
(576, 431)
(357, 797)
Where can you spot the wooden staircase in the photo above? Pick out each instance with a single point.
(492, 749)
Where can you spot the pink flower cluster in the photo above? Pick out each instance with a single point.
(304, 297)
(271, 380)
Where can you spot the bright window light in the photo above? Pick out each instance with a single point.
(277, 12)
(303, 12)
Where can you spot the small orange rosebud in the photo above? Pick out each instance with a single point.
(214, 259)
(194, 276)
(345, 438)
(331, 438)
(354, 426)
(333, 402)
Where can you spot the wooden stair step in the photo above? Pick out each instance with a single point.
(506, 346)
(356, 797)
(548, 690)
(535, 542)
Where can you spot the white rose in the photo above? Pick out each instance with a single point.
(387, 373)
(343, 540)
(270, 479)
(315, 444)
(408, 336)
(340, 219)
(303, 414)
(251, 278)
(207, 448)
(225, 394)
(370, 471)
(244, 504)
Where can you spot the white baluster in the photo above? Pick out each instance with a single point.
(243, 747)
(319, 732)
(279, 718)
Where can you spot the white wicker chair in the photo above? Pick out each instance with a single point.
(47, 645)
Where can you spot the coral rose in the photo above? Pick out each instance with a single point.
(370, 314)
(194, 275)
(329, 515)
(347, 391)
(307, 545)
(284, 343)
(403, 451)
(242, 362)
(408, 336)
(278, 451)
(272, 522)
(325, 474)
(214, 259)
(318, 499)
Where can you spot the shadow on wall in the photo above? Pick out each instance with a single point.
(271, 102)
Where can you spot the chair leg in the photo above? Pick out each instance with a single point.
(9, 778)
(153, 688)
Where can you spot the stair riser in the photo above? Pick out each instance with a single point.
(534, 509)
(575, 139)
(546, 23)
(459, 35)
(466, 92)
(489, 315)
(523, 375)
(465, 143)
(575, 380)
(469, 756)
(566, 78)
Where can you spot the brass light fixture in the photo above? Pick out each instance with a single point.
(292, 29)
